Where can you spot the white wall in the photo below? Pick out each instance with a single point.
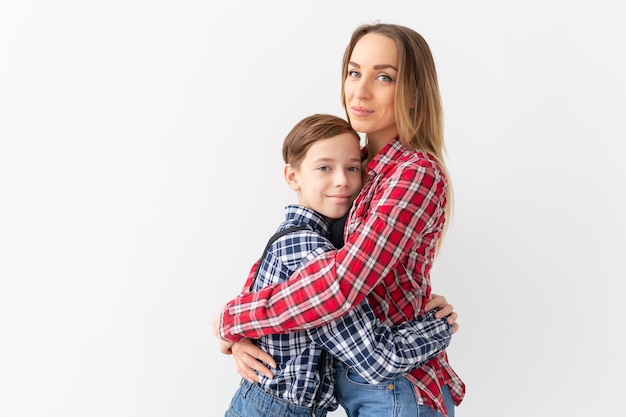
(140, 175)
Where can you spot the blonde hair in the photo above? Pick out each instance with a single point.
(418, 109)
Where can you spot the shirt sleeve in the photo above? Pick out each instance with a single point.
(402, 208)
(249, 281)
(378, 352)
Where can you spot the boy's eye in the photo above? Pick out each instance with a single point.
(353, 169)
(324, 168)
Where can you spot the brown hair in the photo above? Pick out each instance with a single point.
(308, 131)
(418, 109)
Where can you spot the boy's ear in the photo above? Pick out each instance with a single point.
(291, 178)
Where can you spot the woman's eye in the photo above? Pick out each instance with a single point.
(385, 78)
(353, 74)
(324, 168)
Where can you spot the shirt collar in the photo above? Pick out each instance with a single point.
(304, 216)
(390, 152)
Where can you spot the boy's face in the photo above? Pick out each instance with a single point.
(329, 177)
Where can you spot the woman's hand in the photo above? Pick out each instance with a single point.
(249, 358)
(445, 310)
(225, 347)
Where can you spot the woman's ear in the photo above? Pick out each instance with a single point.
(291, 177)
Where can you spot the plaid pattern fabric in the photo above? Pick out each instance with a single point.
(378, 352)
(296, 379)
(391, 237)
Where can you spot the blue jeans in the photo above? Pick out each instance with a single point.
(393, 398)
(251, 400)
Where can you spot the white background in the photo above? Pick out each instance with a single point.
(140, 176)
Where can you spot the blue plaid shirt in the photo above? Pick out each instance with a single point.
(373, 349)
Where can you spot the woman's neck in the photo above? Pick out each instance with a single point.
(374, 146)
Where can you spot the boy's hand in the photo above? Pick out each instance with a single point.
(445, 310)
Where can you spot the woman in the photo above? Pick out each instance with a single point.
(390, 92)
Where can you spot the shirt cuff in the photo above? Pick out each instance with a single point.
(225, 326)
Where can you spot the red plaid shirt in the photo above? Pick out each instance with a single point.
(391, 238)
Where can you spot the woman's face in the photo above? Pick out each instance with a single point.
(370, 87)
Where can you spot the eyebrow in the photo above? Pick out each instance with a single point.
(376, 67)
(331, 159)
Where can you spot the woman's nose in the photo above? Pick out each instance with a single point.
(362, 90)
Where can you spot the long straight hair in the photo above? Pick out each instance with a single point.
(418, 108)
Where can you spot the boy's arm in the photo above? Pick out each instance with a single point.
(378, 352)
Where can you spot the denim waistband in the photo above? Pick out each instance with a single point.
(253, 392)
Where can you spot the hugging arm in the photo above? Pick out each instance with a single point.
(378, 352)
(339, 280)
(382, 349)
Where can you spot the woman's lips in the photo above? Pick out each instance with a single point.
(361, 111)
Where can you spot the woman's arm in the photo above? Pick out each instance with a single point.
(337, 281)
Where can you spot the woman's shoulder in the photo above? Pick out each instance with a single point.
(414, 164)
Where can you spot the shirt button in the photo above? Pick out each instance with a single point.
(390, 387)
